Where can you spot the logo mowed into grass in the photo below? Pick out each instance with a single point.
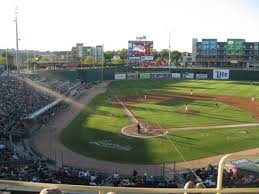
(108, 144)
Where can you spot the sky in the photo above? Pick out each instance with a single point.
(57, 25)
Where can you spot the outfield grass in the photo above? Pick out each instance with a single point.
(217, 87)
(101, 122)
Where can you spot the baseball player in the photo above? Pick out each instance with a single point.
(186, 107)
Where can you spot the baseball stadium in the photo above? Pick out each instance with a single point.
(131, 126)
(164, 123)
(113, 116)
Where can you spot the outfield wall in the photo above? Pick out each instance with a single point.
(93, 75)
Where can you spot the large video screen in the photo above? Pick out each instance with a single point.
(209, 46)
(235, 46)
(140, 50)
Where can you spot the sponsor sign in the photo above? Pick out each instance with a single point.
(188, 75)
(147, 58)
(201, 76)
(120, 76)
(144, 76)
(160, 75)
(176, 75)
(220, 73)
(109, 144)
(132, 76)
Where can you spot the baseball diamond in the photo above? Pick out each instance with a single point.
(221, 118)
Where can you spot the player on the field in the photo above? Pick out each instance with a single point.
(186, 107)
(138, 127)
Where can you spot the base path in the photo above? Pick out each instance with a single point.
(46, 141)
(215, 127)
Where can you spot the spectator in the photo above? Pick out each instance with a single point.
(115, 176)
(51, 191)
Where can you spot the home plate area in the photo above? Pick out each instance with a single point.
(146, 131)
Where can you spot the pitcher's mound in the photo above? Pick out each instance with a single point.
(146, 132)
(188, 111)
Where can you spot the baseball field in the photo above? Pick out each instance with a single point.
(195, 114)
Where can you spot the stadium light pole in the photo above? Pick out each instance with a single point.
(6, 61)
(169, 53)
(17, 40)
(102, 60)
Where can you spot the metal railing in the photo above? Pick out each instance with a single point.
(6, 185)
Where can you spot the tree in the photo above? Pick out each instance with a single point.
(44, 59)
(108, 55)
(31, 62)
(186, 53)
(175, 56)
(2, 60)
(164, 54)
(123, 53)
(155, 54)
(118, 62)
(89, 60)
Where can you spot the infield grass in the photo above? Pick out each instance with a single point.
(165, 113)
(96, 132)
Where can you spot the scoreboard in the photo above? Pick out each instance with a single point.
(209, 46)
(140, 50)
(235, 47)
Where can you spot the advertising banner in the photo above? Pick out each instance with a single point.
(132, 76)
(201, 76)
(120, 76)
(220, 73)
(188, 75)
(144, 76)
(176, 75)
(160, 75)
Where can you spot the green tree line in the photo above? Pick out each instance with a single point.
(120, 57)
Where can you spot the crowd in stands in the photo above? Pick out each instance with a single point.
(207, 178)
(239, 178)
(62, 87)
(142, 181)
(18, 100)
(41, 171)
